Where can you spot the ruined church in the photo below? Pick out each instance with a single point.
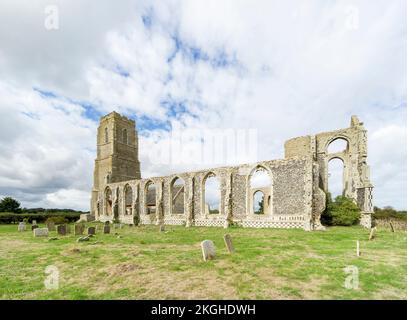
(295, 196)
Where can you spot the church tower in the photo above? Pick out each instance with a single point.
(117, 154)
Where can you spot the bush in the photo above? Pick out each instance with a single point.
(389, 213)
(341, 212)
(57, 220)
(7, 218)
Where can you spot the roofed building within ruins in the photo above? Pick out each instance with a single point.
(294, 198)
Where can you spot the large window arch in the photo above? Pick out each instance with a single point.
(211, 194)
(337, 145)
(128, 200)
(336, 177)
(108, 201)
(177, 196)
(150, 200)
(260, 191)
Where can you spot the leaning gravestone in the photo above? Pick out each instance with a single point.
(41, 232)
(34, 227)
(208, 250)
(21, 226)
(228, 242)
(91, 230)
(61, 229)
(51, 226)
(106, 229)
(79, 228)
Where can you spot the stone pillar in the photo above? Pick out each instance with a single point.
(190, 204)
(228, 200)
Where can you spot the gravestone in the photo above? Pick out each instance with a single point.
(228, 242)
(162, 228)
(68, 228)
(106, 229)
(79, 228)
(21, 226)
(34, 222)
(208, 250)
(91, 230)
(372, 234)
(41, 232)
(51, 226)
(82, 239)
(34, 227)
(61, 229)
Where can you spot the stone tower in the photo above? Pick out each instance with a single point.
(117, 154)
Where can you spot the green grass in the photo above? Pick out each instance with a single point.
(147, 264)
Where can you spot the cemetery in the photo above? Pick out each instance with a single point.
(112, 261)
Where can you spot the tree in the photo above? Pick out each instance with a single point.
(261, 205)
(9, 204)
(341, 212)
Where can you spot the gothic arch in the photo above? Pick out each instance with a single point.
(268, 196)
(208, 175)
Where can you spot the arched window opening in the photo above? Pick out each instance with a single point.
(338, 145)
(150, 200)
(177, 196)
(109, 202)
(260, 189)
(336, 177)
(106, 135)
(258, 202)
(125, 138)
(128, 200)
(211, 194)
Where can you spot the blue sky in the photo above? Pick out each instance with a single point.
(284, 68)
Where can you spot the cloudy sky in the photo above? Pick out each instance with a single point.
(284, 68)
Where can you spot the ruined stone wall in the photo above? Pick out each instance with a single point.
(291, 203)
(299, 183)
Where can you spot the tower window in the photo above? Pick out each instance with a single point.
(106, 135)
(125, 139)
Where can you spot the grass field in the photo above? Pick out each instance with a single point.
(147, 264)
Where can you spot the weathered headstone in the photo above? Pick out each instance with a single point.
(162, 228)
(82, 239)
(106, 229)
(68, 228)
(34, 226)
(372, 233)
(51, 226)
(208, 250)
(21, 226)
(79, 228)
(61, 229)
(34, 222)
(41, 232)
(228, 242)
(91, 230)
